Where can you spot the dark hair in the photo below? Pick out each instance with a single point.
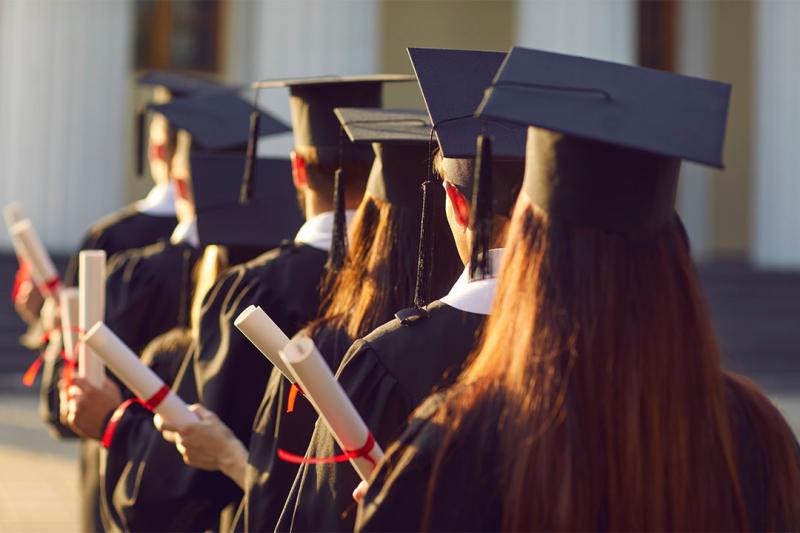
(379, 274)
(600, 363)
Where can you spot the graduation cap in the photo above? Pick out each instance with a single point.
(312, 101)
(217, 121)
(608, 138)
(272, 215)
(179, 86)
(400, 142)
(452, 84)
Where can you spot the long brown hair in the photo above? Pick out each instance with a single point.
(379, 274)
(601, 369)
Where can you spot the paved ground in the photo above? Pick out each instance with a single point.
(757, 316)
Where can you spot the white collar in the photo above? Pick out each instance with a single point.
(475, 296)
(318, 230)
(159, 202)
(186, 232)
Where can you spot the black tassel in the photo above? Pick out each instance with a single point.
(482, 198)
(141, 118)
(248, 180)
(425, 257)
(338, 253)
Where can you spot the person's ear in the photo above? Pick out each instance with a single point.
(459, 203)
(299, 172)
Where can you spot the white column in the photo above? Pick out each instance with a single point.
(777, 152)
(64, 82)
(694, 58)
(310, 37)
(602, 29)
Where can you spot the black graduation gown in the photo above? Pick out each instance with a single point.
(149, 291)
(146, 483)
(387, 374)
(467, 499)
(123, 230)
(268, 478)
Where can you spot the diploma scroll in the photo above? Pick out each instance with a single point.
(265, 335)
(334, 407)
(35, 254)
(12, 213)
(69, 310)
(92, 308)
(137, 376)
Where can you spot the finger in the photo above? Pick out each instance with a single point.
(360, 491)
(169, 436)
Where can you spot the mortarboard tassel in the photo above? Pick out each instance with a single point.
(246, 192)
(422, 288)
(338, 253)
(482, 199)
(141, 117)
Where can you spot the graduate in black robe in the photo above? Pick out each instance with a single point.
(376, 279)
(135, 226)
(596, 400)
(229, 373)
(385, 383)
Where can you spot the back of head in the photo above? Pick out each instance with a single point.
(601, 362)
(379, 275)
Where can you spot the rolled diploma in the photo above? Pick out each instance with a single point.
(136, 375)
(36, 254)
(329, 399)
(13, 213)
(265, 335)
(92, 308)
(69, 319)
(24, 257)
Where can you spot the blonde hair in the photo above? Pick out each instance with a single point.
(213, 262)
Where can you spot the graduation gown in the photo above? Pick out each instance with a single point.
(149, 291)
(123, 230)
(386, 375)
(468, 495)
(146, 483)
(268, 478)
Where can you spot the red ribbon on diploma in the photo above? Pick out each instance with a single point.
(293, 390)
(21, 277)
(150, 404)
(52, 284)
(29, 377)
(341, 458)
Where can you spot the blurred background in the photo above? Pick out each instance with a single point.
(68, 102)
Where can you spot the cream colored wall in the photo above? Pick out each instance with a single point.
(465, 24)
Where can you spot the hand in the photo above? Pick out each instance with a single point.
(28, 302)
(89, 406)
(208, 444)
(360, 491)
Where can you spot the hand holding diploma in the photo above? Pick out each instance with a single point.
(153, 392)
(29, 246)
(207, 444)
(334, 407)
(89, 406)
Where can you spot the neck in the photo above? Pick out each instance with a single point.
(316, 204)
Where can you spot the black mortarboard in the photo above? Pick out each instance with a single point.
(608, 138)
(179, 86)
(400, 141)
(272, 215)
(218, 120)
(313, 99)
(452, 84)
